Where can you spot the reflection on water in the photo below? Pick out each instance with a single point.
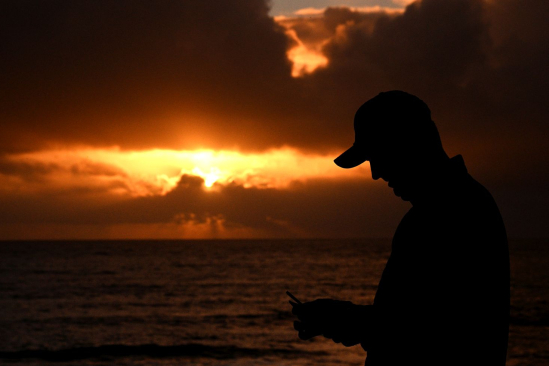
(212, 302)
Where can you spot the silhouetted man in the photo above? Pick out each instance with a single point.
(443, 298)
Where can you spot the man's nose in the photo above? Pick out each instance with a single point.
(375, 171)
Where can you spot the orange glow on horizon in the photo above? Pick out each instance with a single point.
(360, 9)
(158, 171)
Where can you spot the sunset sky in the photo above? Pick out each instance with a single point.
(221, 119)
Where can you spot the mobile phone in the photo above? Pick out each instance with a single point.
(293, 297)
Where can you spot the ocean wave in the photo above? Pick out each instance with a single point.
(153, 351)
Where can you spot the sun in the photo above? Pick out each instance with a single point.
(209, 178)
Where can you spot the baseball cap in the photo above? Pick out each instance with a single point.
(393, 115)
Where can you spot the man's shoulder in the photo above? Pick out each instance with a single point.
(463, 207)
(473, 196)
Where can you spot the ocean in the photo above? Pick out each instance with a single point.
(212, 302)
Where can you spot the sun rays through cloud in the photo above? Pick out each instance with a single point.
(157, 172)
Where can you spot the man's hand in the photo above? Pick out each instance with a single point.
(341, 321)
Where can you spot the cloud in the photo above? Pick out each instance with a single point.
(186, 75)
(360, 9)
(282, 193)
(27, 171)
(172, 73)
(309, 11)
(403, 2)
(318, 208)
(477, 64)
(157, 171)
(191, 74)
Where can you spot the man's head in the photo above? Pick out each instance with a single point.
(395, 133)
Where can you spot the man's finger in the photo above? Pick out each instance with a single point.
(299, 325)
(306, 334)
(307, 328)
(349, 342)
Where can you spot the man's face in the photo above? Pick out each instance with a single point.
(397, 170)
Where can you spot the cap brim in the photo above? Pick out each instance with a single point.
(351, 158)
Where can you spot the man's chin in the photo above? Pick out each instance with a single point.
(403, 196)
